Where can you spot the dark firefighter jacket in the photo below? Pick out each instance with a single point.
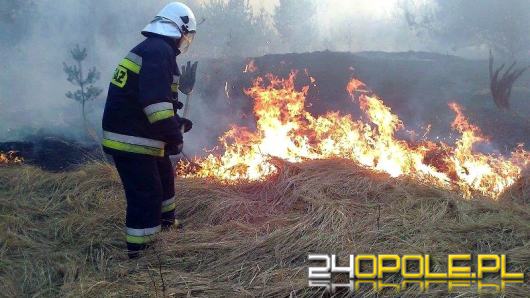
(139, 117)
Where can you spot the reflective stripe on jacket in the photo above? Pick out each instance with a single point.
(133, 144)
(139, 117)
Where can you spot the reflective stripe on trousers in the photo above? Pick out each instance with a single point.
(142, 236)
(168, 205)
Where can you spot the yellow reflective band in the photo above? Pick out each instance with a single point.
(134, 58)
(116, 145)
(158, 107)
(130, 65)
(144, 231)
(139, 239)
(160, 115)
(120, 76)
(174, 87)
(133, 140)
(168, 201)
(168, 208)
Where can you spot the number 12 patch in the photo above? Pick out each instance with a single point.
(120, 76)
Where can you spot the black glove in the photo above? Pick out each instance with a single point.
(186, 124)
(177, 105)
(174, 141)
(174, 148)
(187, 77)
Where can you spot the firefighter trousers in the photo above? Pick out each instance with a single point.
(150, 192)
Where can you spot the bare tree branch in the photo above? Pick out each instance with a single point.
(501, 88)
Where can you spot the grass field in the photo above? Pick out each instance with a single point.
(61, 234)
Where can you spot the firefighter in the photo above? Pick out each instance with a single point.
(141, 128)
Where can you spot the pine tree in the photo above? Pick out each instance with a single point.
(86, 90)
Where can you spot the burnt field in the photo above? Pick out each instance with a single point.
(51, 153)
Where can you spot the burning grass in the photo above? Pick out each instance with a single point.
(62, 233)
(286, 130)
(10, 158)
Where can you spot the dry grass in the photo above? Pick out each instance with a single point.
(62, 234)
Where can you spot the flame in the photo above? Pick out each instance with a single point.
(355, 85)
(475, 170)
(226, 90)
(250, 67)
(9, 158)
(285, 130)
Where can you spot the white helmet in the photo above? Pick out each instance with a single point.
(175, 20)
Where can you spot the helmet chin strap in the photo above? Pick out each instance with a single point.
(177, 43)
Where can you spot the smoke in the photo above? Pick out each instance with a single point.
(32, 82)
(37, 35)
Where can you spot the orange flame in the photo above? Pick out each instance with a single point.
(475, 170)
(10, 158)
(250, 66)
(355, 86)
(285, 130)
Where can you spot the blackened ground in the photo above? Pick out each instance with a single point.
(53, 153)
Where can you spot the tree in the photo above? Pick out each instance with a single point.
(293, 19)
(497, 24)
(86, 91)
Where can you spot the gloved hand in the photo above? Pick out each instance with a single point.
(187, 77)
(177, 105)
(186, 124)
(174, 148)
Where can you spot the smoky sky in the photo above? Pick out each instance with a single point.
(37, 35)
